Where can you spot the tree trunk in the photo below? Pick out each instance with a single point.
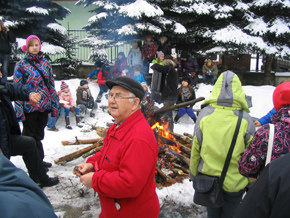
(225, 63)
(268, 68)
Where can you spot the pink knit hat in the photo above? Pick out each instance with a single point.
(63, 85)
(24, 47)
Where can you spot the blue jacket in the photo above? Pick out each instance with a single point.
(94, 73)
(19, 196)
(8, 121)
(140, 78)
(267, 118)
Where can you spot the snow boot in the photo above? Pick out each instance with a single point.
(194, 119)
(67, 123)
(99, 97)
(78, 120)
(176, 118)
(92, 114)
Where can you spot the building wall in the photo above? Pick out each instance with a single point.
(79, 15)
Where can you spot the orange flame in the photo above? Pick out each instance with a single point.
(166, 134)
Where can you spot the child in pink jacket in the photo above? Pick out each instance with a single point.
(65, 97)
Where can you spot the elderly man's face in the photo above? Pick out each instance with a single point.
(121, 108)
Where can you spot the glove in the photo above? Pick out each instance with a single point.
(72, 109)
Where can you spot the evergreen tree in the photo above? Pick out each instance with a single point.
(118, 22)
(69, 62)
(36, 17)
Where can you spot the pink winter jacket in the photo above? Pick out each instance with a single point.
(127, 164)
(66, 97)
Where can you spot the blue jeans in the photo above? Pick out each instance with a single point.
(4, 59)
(103, 88)
(207, 77)
(231, 202)
(184, 110)
(83, 108)
(52, 120)
(66, 111)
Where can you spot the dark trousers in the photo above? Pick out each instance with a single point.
(103, 88)
(232, 201)
(33, 126)
(26, 147)
(172, 100)
(4, 59)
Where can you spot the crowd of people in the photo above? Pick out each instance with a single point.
(123, 171)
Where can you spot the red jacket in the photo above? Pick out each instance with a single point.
(101, 78)
(127, 164)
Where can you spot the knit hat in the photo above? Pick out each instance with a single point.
(24, 47)
(187, 79)
(168, 57)
(63, 85)
(128, 83)
(83, 82)
(122, 54)
(281, 95)
(160, 54)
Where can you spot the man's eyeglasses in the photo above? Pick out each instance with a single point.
(118, 97)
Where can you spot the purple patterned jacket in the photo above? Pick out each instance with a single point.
(26, 74)
(253, 160)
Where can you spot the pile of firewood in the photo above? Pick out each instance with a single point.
(173, 156)
(174, 149)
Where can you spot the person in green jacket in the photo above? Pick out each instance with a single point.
(213, 133)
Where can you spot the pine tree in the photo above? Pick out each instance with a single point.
(118, 22)
(36, 17)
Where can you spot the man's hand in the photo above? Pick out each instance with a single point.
(87, 179)
(95, 81)
(34, 98)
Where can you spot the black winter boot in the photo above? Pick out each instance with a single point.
(67, 123)
(99, 97)
(176, 118)
(194, 119)
(78, 120)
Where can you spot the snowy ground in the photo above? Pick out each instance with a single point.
(71, 199)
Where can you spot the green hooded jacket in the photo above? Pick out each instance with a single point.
(214, 131)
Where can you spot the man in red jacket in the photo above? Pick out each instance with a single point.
(122, 173)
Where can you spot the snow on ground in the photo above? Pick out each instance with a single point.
(71, 195)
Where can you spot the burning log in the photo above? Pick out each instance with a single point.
(181, 138)
(179, 156)
(83, 141)
(168, 179)
(178, 146)
(178, 166)
(76, 154)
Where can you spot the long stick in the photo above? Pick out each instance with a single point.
(75, 155)
(81, 141)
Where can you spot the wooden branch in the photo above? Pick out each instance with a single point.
(182, 138)
(168, 179)
(83, 141)
(75, 155)
(181, 167)
(188, 135)
(181, 157)
(92, 152)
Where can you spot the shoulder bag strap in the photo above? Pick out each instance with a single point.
(32, 64)
(229, 156)
(270, 143)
